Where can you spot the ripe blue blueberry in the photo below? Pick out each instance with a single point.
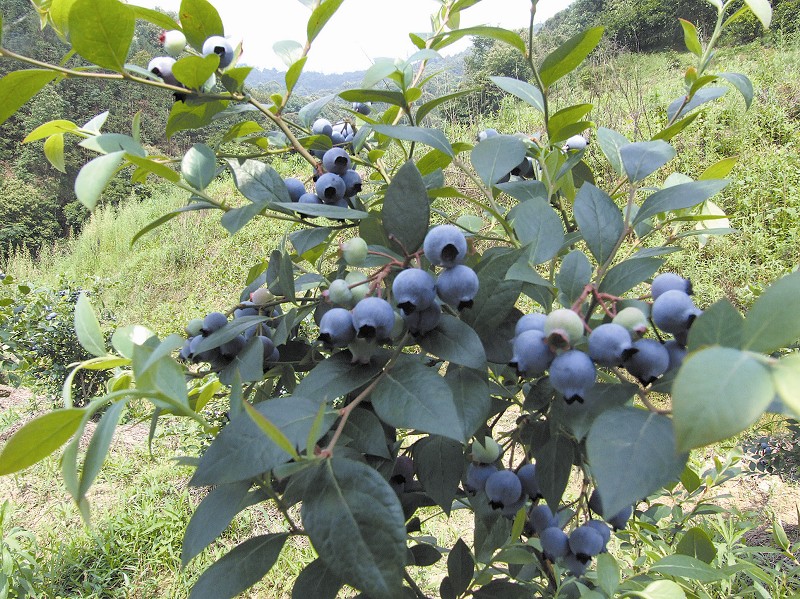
(602, 528)
(503, 488)
(336, 327)
(477, 474)
(530, 322)
(620, 519)
(531, 354)
(352, 183)
(373, 319)
(674, 312)
(402, 473)
(336, 160)
(576, 142)
(555, 543)
(572, 374)
(362, 108)
(330, 188)
(421, 322)
(161, 66)
(213, 322)
(650, 362)
(527, 476)
(524, 169)
(309, 198)
(677, 352)
(232, 348)
(457, 286)
(610, 344)
(585, 542)
(413, 289)
(220, 46)
(541, 517)
(295, 188)
(575, 566)
(322, 127)
(271, 353)
(445, 245)
(667, 281)
(486, 134)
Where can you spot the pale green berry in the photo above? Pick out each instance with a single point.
(339, 293)
(633, 319)
(487, 452)
(563, 326)
(354, 251)
(359, 290)
(261, 296)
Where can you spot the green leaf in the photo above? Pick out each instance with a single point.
(374, 95)
(437, 462)
(102, 31)
(690, 37)
(599, 220)
(98, 446)
(774, 320)
(719, 324)
(406, 209)
(678, 197)
(663, 589)
(644, 442)
(523, 90)
(720, 169)
(199, 21)
(496, 296)
(718, 392)
(50, 128)
(569, 55)
(199, 166)
(233, 329)
(194, 71)
(607, 573)
(578, 417)
(318, 581)
(293, 73)
(432, 137)
(429, 106)
(626, 275)
(157, 168)
(668, 133)
(460, 567)
(573, 276)
(503, 35)
(242, 451)
(356, 524)
(565, 118)
(240, 568)
(107, 143)
(271, 431)
(414, 396)
(320, 16)
(741, 83)
(471, 397)
(192, 114)
(643, 158)
(455, 341)
(38, 438)
(366, 433)
(495, 157)
(762, 10)
(155, 17)
(610, 143)
(54, 151)
(87, 328)
(211, 517)
(502, 589)
(786, 377)
(700, 97)
(324, 210)
(696, 543)
(18, 87)
(538, 227)
(553, 467)
(683, 566)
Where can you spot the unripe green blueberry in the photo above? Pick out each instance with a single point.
(358, 283)
(339, 293)
(174, 42)
(487, 452)
(633, 319)
(576, 142)
(563, 327)
(261, 296)
(194, 327)
(362, 350)
(354, 251)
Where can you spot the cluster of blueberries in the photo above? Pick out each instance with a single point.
(509, 491)
(548, 342)
(175, 43)
(221, 353)
(357, 318)
(335, 186)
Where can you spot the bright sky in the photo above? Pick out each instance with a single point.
(359, 31)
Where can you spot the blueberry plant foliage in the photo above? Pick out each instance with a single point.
(367, 365)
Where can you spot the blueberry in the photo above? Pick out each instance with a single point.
(352, 183)
(477, 474)
(541, 517)
(336, 327)
(563, 327)
(174, 42)
(674, 311)
(555, 543)
(524, 169)
(620, 519)
(576, 142)
(486, 134)
(218, 45)
(373, 319)
(231, 348)
(309, 198)
(362, 108)
(322, 127)
(445, 245)
(330, 188)
(503, 488)
(633, 319)
(585, 542)
(602, 528)
(336, 160)
(295, 188)
(486, 453)
(194, 327)
(457, 286)
(359, 284)
(161, 66)
(213, 322)
(402, 473)
(531, 354)
(530, 322)
(677, 353)
(667, 281)
(649, 362)
(339, 293)
(575, 566)
(610, 344)
(421, 322)
(413, 289)
(527, 476)
(354, 251)
(572, 374)
(271, 354)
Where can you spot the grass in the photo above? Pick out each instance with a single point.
(191, 266)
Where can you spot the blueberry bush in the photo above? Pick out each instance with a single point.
(413, 346)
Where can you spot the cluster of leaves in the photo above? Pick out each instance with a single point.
(38, 343)
(326, 428)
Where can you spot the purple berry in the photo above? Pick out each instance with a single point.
(555, 543)
(503, 488)
(530, 322)
(218, 45)
(330, 188)
(674, 311)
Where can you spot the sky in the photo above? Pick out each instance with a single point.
(361, 30)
